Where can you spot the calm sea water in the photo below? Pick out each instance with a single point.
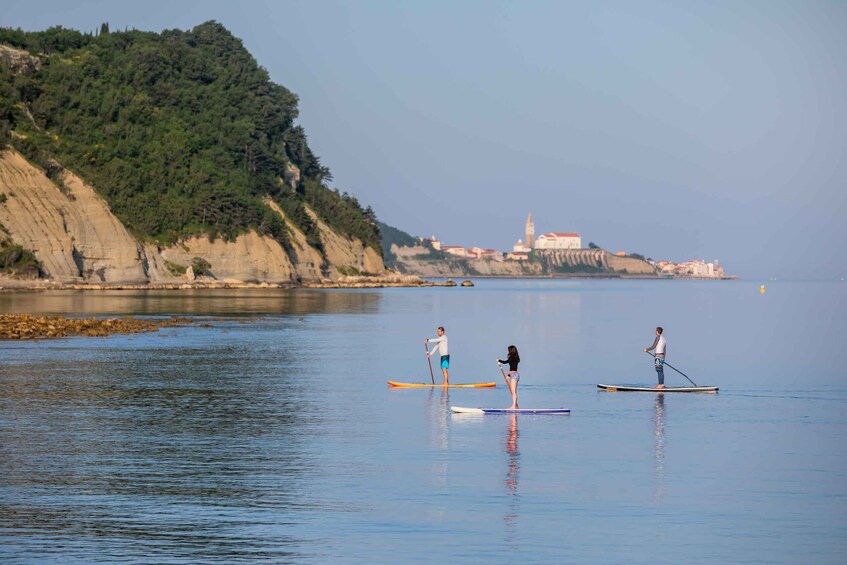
(268, 434)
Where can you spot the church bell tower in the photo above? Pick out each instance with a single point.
(530, 231)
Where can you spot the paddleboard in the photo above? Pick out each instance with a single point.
(626, 388)
(460, 410)
(428, 385)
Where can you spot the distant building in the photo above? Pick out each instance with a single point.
(558, 240)
(457, 250)
(518, 255)
(480, 253)
(433, 241)
(530, 231)
(521, 247)
(696, 268)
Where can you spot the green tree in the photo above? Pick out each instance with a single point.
(182, 132)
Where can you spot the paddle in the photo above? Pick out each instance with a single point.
(428, 360)
(505, 378)
(675, 369)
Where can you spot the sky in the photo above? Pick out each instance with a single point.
(677, 130)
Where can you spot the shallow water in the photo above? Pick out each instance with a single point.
(269, 433)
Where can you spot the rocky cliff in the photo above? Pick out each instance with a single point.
(590, 260)
(78, 239)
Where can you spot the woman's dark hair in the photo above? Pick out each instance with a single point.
(513, 352)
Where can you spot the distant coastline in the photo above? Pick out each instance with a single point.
(380, 281)
(390, 280)
(597, 276)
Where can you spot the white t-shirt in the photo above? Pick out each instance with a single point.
(661, 345)
(441, 347)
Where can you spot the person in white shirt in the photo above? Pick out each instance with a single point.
(661, 347)
(441, 347)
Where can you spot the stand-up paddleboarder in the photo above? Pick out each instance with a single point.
(661, 347)
(512, 359)
(441, 347)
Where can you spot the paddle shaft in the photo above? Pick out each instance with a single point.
(502, 372)
(428, 360)
(675, 369)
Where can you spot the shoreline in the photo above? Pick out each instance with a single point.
(379, 281)
(392, 281)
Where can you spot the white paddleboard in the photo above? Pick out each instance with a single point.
(460, 410)
(627, 388)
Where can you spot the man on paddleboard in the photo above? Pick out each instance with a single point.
(441, 347)
(660, 345)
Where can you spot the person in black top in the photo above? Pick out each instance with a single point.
(513, 377)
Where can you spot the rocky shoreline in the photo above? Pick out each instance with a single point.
(26, 326)
(394, 280)
(383, 281)
(378, 281)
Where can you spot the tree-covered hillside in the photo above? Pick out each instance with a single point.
(182, 132)
(393, 236)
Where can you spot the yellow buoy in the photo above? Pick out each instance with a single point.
(762, 289)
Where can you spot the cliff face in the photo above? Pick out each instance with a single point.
(72, 232)
(18, 60)
(414, 261)
(568, 260)
(344, 254)
(77, 238)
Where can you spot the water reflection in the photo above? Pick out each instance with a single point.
(512, 471)
(186, 446)
(438, 406)
(200, 302)
(659, 446)
(438, 412)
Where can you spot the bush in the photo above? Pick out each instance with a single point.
(17, 261)
(174, 269)
(201, 267)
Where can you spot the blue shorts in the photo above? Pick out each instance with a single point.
(660, 364)
(513, 375)
(445, 361)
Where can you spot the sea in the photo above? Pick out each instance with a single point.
(265, 432)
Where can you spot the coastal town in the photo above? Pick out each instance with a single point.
(559, 241)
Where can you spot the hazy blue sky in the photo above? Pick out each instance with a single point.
(677, 130)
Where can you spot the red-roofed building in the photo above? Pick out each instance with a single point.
(480, 253)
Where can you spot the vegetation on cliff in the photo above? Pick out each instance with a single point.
(15, 260)
(182, 132)
(18, 262)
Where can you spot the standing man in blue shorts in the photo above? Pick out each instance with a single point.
(660, 345)
(441, 347)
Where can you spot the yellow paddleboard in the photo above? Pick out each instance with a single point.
(427, 385)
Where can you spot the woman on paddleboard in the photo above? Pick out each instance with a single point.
(512, 358)
(441, 347)
(660, 345)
